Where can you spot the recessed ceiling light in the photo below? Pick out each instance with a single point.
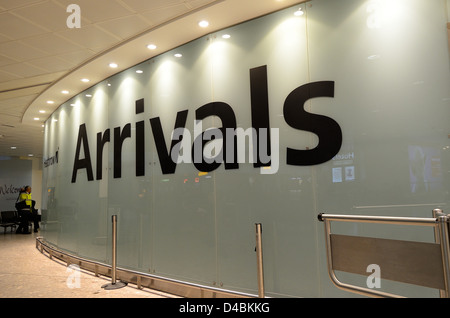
(65, 92)
(299, 12)
(226, 36)
(13, 148)
(50, 102)
(42, 111)
(178, 55)
(151, 46)
(88, 95)
(203, 24)
(36, 118)
(85, 80)
(113, 65)
(373, 57)
(139, 71)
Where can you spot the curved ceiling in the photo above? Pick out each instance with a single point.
(41, 56)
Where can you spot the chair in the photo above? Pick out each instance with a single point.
(8, 219)
(418, 263)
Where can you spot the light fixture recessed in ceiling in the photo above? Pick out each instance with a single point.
(203, 24)
(299, 12)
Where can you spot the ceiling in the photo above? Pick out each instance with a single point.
(40, 56)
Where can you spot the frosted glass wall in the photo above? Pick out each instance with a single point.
(357, 98)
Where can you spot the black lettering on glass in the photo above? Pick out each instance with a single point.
(326, 128)
(140, 149)
(119, 138)
(168, 166)
(86, 162)
(260, 111)
(140, 141)
(101, 141)
(228, 118)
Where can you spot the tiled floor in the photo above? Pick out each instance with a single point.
(27, 273)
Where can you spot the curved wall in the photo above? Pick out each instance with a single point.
(355, 97)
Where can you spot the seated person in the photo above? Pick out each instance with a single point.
(25, 208)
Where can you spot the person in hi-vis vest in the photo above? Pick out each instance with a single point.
(28, 213)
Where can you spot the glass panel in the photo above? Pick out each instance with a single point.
(129, 203)
(390, 64)
(279, 197)
(183, 222)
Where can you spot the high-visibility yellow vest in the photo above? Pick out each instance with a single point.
(27, 198)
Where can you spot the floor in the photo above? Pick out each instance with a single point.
(27, 273)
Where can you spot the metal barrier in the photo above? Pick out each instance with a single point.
(418, 263)
(259, 260)
(140, 279)
(176, 287)
(114, 284)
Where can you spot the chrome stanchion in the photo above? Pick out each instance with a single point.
(437, 237)
(259, 260)
(445, 250)
(114, 284)
(439, 234)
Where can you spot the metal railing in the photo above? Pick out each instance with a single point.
(142, 280)
(114, 284)
(259, 260)
(418, 263)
